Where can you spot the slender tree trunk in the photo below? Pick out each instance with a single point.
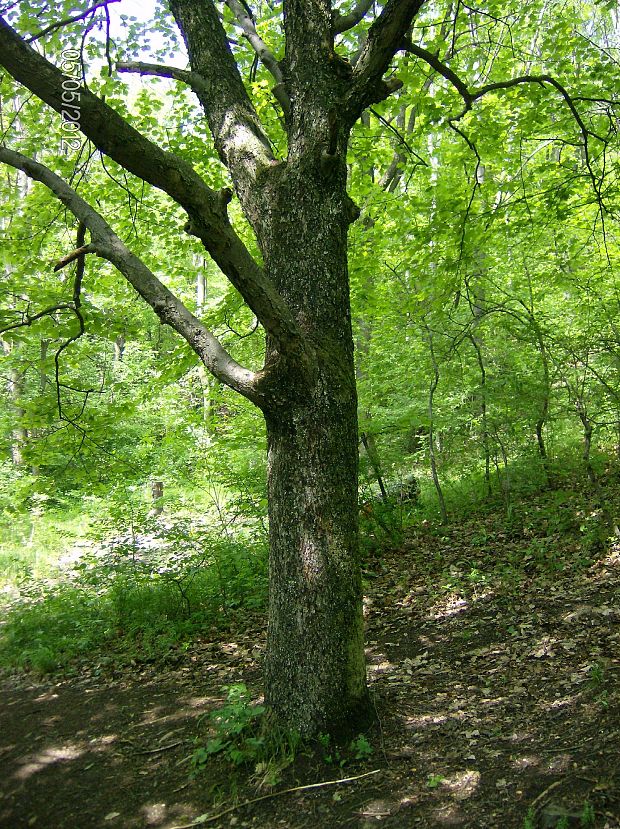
(505, 481)
(483, 414)
(544, 410)
(43, 378)
(206, 379)
(119, 348)
(19, 434)
(370, 446)
(587, 441)
(368, 440)
(431, 430)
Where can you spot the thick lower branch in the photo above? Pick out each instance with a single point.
(118, 139)
(167, 306)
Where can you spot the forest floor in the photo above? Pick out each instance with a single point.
(494, 666)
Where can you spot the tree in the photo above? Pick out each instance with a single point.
(298, 208)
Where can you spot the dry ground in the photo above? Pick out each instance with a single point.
(496, 691)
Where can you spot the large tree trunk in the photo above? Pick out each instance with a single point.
(315, 669)
(300, 212)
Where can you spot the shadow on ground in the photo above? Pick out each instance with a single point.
(497, 703)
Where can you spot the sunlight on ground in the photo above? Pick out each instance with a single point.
(430, 719)
(154, 813)
(187, 706)
(379, 808)
(449, 606)
(378, 664)
(46, 697)
(462, 784)
(34, 763)
(458, 786)
(526, 762)
(48, 757)
(612, 559)
(557, 704)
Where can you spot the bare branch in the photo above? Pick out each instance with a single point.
(192, 79)
(69, 20)
(28, 319)
(540, 79)
(440, 67)
(75, 254)
(384, 39)
(402, 141)
(115, 137)
(246, 22)
(166, 305)
(344, 22)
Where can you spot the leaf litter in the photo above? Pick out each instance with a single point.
(494, 672)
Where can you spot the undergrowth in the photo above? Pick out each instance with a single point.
(242, 734)
(149, 584)
(132, 601)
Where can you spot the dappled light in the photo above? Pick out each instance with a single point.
(46, 758)
(309, 414)
(480, 709)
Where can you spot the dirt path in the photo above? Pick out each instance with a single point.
(495, 696)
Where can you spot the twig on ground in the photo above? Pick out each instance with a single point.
(161, 748)
(202, 819)
(542, 795)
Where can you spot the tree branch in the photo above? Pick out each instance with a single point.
(171, 311)
(385, 38)
(78, 254)
(344, 22)
(470, 96)
(439, 67)
(75, 254)
(115, 137)
(246, 22)
(69, 20)
(236, 128)
(540, 79)
(28, 319)
(192, 79)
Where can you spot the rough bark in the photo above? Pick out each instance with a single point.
(315, 669)
(299, 210)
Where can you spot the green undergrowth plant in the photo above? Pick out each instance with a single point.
(242, 735)
(334, 754)
(585, 820)
(135, 599)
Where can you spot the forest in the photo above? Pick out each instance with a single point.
(309, 414)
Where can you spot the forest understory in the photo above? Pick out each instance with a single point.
(493, 652)
(266, 267)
